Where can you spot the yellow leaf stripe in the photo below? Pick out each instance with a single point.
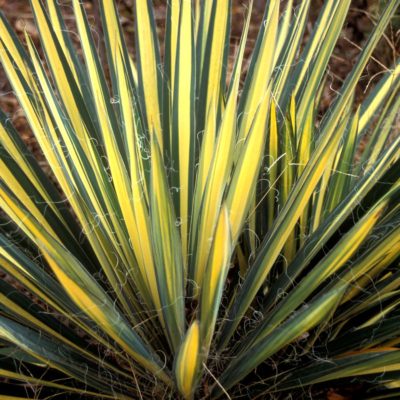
(220, 155)
(216, 17)
(167, 250)
(187, 361)
(183, 109)
(243, 182)
(259, 80)
(215, 275)
(148, 68)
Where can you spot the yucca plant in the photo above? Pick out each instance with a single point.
(203, 232)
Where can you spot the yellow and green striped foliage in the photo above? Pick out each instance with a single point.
(203, 232)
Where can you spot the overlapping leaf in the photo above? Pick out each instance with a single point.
(202, 223)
